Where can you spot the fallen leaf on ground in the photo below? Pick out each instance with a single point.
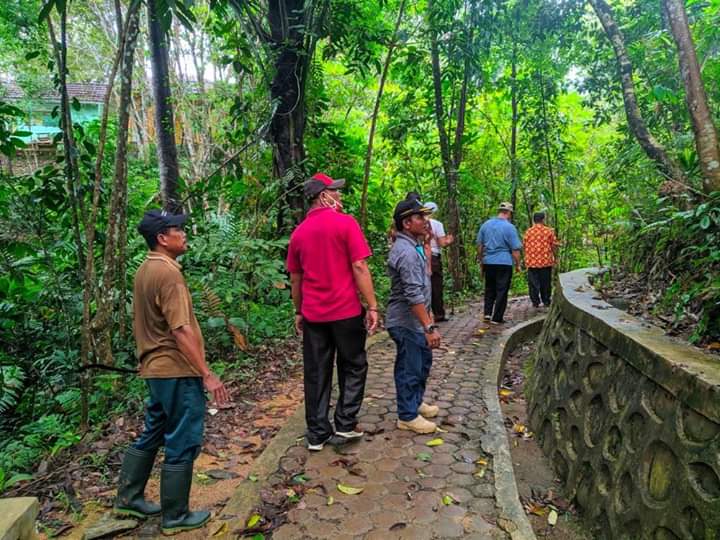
(330, 500)
(254, 520)
(434, 442)
(536, 509)
(552, 518)
(448, 499)
(349, 490)
(299, 479)
(424, 456)
(253, 478)
(222, 529)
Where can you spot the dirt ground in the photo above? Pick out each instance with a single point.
(539, 489)
(77, 488)
(634, 294)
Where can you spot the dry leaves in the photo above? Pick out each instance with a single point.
(349, 490)
(518, 429)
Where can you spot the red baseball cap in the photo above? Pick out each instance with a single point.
(320, 182)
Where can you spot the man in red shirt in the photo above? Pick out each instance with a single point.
(327, 264)
(540, 246)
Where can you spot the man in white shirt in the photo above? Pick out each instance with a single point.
(438, 240)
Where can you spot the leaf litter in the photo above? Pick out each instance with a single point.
(85, 474)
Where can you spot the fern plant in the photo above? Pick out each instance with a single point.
(12, 382)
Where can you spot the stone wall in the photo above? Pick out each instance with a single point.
(630, 419)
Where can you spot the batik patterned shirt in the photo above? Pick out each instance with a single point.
(539, 242)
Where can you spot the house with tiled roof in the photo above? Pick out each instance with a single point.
(40, 106)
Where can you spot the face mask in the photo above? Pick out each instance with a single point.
(328, 202)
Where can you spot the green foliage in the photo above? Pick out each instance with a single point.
(240, 280)
(47, 435)
(10, 141)
(574, 156)
(679, 251)
(11, 385)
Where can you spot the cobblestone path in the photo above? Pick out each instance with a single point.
(410, 490)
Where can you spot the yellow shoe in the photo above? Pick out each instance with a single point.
(418, 425)
(428, 411)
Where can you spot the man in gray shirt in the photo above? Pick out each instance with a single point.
(408, 317)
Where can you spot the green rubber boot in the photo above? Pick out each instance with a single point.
(175, 481)
(134, 474)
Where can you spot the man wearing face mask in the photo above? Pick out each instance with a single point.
(327, 264)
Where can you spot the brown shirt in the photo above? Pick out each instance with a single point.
(161, 304)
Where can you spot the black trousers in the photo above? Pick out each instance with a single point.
(540, 285)
(436, 281)
(322, 342)
(497, 286)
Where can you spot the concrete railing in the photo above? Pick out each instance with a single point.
(629, 417)
(17, 518)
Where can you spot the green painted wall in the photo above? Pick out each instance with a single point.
(42, 125)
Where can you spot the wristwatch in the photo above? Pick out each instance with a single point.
(430, 328)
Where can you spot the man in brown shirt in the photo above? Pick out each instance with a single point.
(171, 352)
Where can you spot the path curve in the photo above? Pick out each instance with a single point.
(410, 490)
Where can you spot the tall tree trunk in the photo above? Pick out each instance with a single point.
(90, 288)
(706, 138)
(439, 105)
(164, 118)
(653, 149)
(376, 110)
(451, 156)
(72, 170)
(548, 155)
(287, 20)
(113, 265)
(458, 268)
(514, 122)
(72, 177)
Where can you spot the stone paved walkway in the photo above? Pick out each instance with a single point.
(407, 485)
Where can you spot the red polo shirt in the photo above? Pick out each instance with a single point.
(323, 248)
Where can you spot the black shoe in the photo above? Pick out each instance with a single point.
(175, 483)
(338, 441)
(318, 446)
(134, 474)
(353, 435)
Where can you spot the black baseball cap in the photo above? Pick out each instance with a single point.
(157, 220)
(320, 182)
(406, 208)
